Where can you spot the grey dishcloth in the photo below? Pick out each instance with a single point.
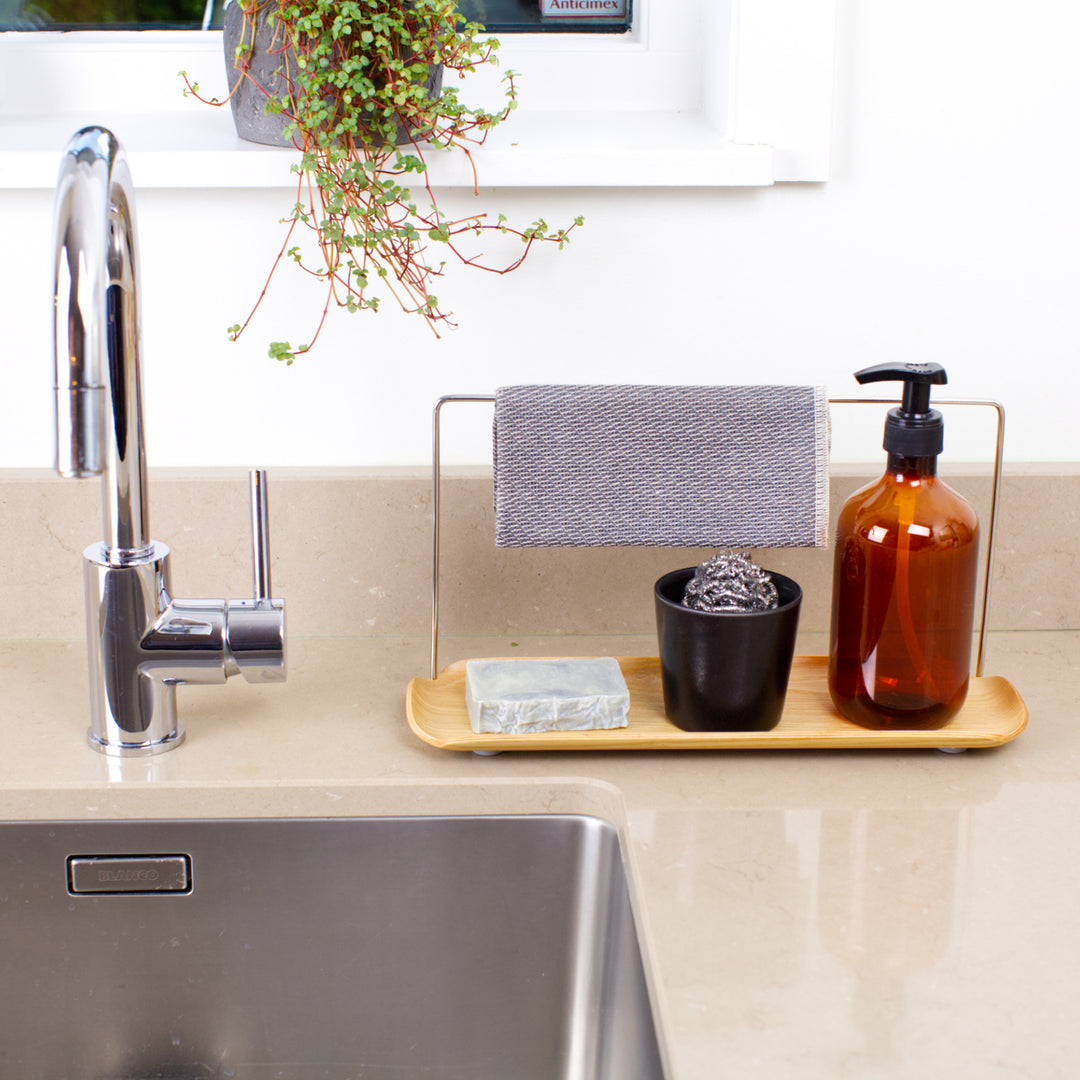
(661, 466)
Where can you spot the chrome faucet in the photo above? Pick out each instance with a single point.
(142, 642)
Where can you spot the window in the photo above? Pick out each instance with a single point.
(499, 16)
(106, 14)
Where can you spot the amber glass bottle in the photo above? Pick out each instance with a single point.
(904, 577)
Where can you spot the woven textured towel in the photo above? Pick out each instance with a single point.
(661, 466)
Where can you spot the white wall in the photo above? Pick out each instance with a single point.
(949, 231)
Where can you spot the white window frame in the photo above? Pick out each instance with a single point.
(698, 93)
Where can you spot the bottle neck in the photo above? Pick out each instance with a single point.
(911, 467)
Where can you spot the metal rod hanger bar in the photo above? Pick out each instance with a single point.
(436, 509)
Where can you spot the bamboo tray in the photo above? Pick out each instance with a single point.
(993, 714)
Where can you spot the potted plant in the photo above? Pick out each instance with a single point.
(355, 86)
(726, 631)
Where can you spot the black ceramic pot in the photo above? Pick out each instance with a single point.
(725, 671)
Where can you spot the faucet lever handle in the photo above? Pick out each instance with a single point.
(260, 535)
(255, 629)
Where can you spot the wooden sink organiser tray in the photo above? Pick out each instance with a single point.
(993, 714)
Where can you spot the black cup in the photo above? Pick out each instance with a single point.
(725, 671)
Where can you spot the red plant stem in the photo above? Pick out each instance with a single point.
(269, 278)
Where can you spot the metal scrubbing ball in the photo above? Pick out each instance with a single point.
(730, 581)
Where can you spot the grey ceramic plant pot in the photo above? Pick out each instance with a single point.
(248, 101)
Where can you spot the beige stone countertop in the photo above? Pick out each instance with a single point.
(806, 914)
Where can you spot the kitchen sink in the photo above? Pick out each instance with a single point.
(476, 948)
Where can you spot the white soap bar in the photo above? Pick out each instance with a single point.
(515, 697)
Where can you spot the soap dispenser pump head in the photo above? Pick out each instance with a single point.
(913, 429)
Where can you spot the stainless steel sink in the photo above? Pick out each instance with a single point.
(483, 948)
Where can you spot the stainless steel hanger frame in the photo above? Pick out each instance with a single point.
(436, 507)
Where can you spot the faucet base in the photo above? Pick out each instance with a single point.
(142, 749)
(132, 706)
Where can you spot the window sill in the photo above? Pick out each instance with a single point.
(200, 149)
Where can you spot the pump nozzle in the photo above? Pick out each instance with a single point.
(914, 429)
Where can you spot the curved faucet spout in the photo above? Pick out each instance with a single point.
(98, 382)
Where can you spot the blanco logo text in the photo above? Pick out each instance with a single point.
(127, 875)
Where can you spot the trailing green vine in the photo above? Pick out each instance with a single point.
(354, 86)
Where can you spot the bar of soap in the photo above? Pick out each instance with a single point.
(517, 697)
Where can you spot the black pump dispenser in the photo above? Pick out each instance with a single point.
(913, 429)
